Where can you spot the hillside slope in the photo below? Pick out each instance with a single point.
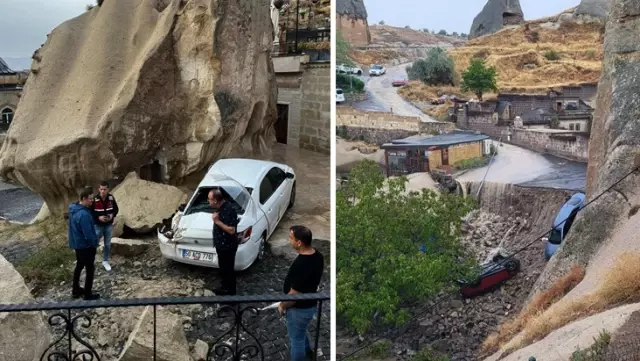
(525, 56)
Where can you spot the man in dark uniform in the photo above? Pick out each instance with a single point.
(225, 239)
(105, 210)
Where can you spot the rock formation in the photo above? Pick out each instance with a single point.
(614, 148)
(175, 82)
(495, 15)
(23, 335)
(144, 204)
(595, 8)
(352, 22)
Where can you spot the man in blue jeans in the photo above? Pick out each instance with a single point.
(105, 210)
(304, 277)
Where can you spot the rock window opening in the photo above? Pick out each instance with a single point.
(6, 117)
(152, 172)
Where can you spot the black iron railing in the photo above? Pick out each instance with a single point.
(244, 348)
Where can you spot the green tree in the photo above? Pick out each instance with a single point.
(437, 68)
(381, 22)
(479, 78)
(442, 32)
(379, 231)
(463, 35)
(455, 33)
(349, 83)
(342, 50)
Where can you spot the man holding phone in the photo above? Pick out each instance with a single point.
(225, 240)
(105, 209)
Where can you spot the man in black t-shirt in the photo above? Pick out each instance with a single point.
(225, 221)
(304, 277)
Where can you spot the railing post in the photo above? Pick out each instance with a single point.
(318, 316)
(154, 332)
(70, 329)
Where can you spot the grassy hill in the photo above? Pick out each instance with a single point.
(529, 58)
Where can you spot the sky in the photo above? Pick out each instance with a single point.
(450, 15)
(29, 22)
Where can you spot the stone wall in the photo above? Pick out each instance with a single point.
(356, 97)
(565, 144)
(315, 112)
(383, 127)
(306, 89)
(354, 31)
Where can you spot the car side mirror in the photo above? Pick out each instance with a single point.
(290, 175)
(182, 207)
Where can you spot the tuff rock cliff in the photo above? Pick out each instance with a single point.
(352, 22)
(495, 15)
(614, 150)
(595, 8)
(181, 82)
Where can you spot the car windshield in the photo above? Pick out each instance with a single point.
(339, 91)
(555, 237)
(377, 67)
(200, 202)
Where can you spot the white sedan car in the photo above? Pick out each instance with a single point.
(260, 191)
(377, 70)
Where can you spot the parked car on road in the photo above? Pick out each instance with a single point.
(562, 223)
(339, 96)
(260, 191)
(345, 69)
(492, 275)
(377, 70)
(399, 82)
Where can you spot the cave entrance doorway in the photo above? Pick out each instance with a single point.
(282, 123)
(152, 172)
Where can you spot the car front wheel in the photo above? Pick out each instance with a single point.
(261, 249)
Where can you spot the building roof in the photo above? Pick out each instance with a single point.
(457, 137)
(538, 116)
(4, 68)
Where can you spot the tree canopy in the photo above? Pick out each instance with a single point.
(380, 230)
(437, 68)
(342, 50)
(479, 78)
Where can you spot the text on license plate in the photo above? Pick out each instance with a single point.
(197, 256)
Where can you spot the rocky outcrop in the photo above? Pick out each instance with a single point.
(23, 335)
(171, 342)
(595, 8)
(180, 82)
(495, 15)
(143, 204)
(352, 22)
(614, 149)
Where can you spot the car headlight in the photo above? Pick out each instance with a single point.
(178, 235)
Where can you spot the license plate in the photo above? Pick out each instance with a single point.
(197, 256)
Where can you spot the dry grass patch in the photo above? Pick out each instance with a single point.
(540, 302)
(521, 63)
(620, 286)
(368, 57)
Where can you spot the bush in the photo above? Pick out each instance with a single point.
(471, 163)
(595, 352)
(379, 231)
(493, 150)
(437, 68)
(349, 83)
(552, 55)
(591, 54)
(481, 54)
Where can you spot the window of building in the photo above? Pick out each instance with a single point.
(571, 126)
(578, 126)
(397, 162)
(7, 116)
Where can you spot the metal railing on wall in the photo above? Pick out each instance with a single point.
(68, 320)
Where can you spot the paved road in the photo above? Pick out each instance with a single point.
(18, 204)
(384, 97)
(521, 166)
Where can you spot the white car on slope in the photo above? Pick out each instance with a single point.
(260, 191)
(377, 70)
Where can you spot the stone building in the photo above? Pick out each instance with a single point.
(10, 89)
(351, 21)
(424, 154)
(304, 102)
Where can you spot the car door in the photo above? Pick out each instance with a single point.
(278, 181)
(268, 202)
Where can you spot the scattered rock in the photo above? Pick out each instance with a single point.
(128, 247)
(595, 8)
(23, 335)
(200, 351)
(171, 342)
